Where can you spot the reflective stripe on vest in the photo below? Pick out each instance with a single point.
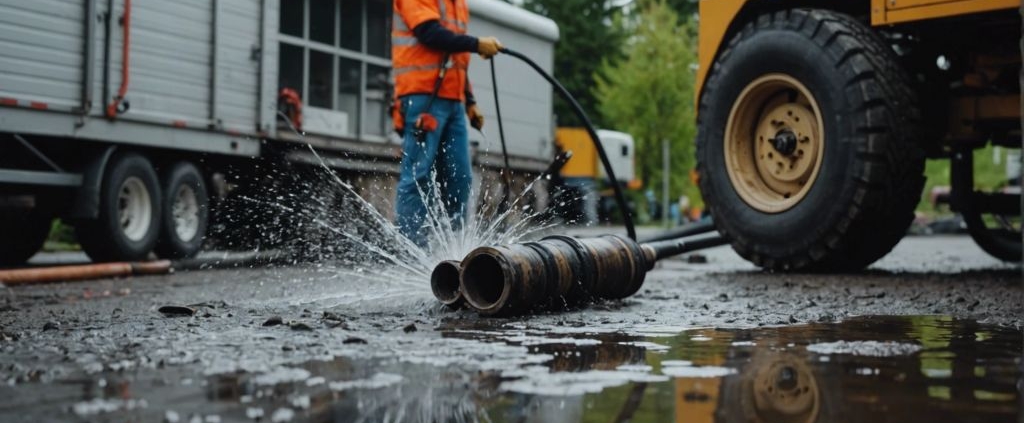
(399, 23)
(404, 41)
(436, 66)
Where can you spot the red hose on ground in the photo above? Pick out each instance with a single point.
(126, 23)
(81, 272)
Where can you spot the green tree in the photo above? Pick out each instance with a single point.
(649, 94)
(684, 8)
(589, 36)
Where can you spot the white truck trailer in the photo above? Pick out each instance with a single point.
(118, 115)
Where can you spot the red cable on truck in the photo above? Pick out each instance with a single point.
(115, 105)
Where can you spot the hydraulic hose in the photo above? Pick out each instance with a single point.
(620, 199)
(507, 173)
(690, 229)
(674, 247)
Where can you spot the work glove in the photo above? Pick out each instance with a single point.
(488, 47)
(476, 119)
(425, 124)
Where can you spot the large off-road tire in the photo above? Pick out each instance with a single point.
(22, 233)
(186, 211)
(807, 143)
(129, 212)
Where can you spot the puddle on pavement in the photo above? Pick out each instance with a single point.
(870, 369)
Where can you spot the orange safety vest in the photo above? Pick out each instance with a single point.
(417, 66)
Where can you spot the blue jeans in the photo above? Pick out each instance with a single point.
(444, 153)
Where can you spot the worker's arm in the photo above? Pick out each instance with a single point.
(437, 37)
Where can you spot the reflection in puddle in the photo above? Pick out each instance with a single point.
(873, 369)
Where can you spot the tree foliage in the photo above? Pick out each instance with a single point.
(589, 36)
(649, 94)
(686, 9)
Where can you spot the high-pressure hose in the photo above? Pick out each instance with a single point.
(620, 199)
(507, 173)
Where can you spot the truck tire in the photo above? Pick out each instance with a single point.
(807, 143)
(185, 212)
(1002, 240)
(24, 232)
(129, 212)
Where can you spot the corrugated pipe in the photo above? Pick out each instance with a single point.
(554, 273)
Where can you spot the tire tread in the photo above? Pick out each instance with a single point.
(890, 178)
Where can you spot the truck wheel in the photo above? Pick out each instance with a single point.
(24, 232)
(129, 212)
(779, 387)
(807, 143)
(185, 212)
(1001, 239)
(993, 219)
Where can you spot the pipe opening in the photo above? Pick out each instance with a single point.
(483, 281)
(444, 281)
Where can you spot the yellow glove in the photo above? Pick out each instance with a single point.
(476, 119)
(488, 47)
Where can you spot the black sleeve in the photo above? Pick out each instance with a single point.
(437, 37)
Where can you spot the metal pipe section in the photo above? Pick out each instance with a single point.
(444, 281)
(554, 273)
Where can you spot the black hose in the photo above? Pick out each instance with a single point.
(620, 199)
(507, 173)
(674, 247)
(689, 229)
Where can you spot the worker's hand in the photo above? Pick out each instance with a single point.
(476, 119)
(488, 47)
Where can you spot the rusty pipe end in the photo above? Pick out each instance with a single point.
(486, 280)
(444, 281)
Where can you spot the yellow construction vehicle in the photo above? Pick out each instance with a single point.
(815, 119)
(583, 173)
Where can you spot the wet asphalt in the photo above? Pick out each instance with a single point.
(933, 331)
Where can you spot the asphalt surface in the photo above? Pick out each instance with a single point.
(317, 342)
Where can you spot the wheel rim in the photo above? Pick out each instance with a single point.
(135, 212)
(774, 143)
(785, 391)
(185, 213)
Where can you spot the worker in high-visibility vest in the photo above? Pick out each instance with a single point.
(433, 98)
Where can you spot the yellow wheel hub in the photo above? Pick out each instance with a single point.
(774, 143)
(780, 388)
